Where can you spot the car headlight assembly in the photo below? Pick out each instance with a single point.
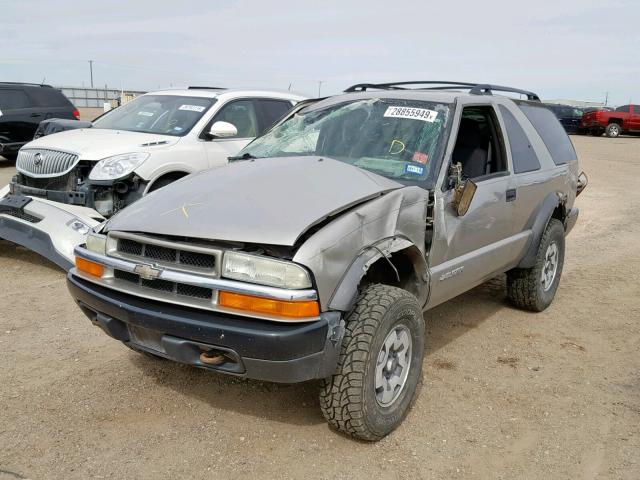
(97, 243)
(264, 271)
(118, 166)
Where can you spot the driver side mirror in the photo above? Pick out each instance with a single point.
(222, 130)
(463, 190)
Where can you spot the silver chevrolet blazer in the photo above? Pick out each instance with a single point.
(316, 252)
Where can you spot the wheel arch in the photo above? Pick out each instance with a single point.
(553, 206)
(395, 261)
(171, 176)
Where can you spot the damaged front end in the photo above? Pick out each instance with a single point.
(62, 177)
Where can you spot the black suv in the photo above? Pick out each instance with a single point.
(22, 107)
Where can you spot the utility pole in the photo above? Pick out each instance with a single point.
(606, 98)
(320, 82)
(91, 71)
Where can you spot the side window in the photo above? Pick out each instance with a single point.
(47, 97)
(13, 99)
(270, 111)
(522, 153)
(551, 132)
(636, 109)
(479, 147)
(242, 115)
(623, 108)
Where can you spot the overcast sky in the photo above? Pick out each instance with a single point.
(578, 49)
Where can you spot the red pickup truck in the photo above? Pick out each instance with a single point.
(624, 119)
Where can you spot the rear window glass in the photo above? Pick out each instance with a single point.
(48, 97)
(523, 155)
(551, 131)
(11, 99)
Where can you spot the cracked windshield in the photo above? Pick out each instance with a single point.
(398, 139)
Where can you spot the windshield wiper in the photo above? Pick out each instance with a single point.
(244, 156)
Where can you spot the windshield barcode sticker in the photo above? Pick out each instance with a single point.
(423, 114)
(192, 108)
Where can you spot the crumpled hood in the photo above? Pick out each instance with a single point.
(99, 143)
(269, 201)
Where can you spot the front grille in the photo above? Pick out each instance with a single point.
(45, 163)
(181, 255)
(14, 212)
(180, 289)
(60, 183)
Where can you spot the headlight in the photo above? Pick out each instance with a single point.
(97, 243)
(265, 271)
(118, 166)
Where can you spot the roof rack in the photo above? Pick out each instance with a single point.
(474, 88)
(26, 83)
(205, 88)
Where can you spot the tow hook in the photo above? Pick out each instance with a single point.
(213, 357)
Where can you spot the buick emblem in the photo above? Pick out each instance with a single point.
(37, 159)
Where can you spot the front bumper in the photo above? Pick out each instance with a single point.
(45, 228)
(264, 350)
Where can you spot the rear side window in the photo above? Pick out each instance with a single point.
(270, 111)
(636, 108)
(623, 108)
(551, 131)
(523, 155)
(48, 97)
(12, 99)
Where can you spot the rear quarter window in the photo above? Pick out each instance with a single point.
(551, 132)
(522, 153)
(48, 97)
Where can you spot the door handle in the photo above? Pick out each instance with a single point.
(511, 195)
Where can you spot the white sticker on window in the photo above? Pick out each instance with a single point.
(192, 108)
(146, 114)
(0, 113)
(411, 113)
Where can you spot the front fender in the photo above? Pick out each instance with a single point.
(346, 292)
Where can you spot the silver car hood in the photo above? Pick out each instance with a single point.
(268, 201)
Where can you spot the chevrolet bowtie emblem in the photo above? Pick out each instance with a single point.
(147, 272)
(184, 209)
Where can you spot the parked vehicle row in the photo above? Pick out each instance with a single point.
(71, 181)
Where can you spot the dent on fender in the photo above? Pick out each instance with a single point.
(392, 222)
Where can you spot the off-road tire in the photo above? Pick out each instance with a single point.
(524, 286)
(348, 398)
(613, 130)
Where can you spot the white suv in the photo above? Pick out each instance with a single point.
(69, 182)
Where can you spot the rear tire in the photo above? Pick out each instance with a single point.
(613, 130)
(380, 364)
(534, 288)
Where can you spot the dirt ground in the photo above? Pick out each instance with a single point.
(506, 394)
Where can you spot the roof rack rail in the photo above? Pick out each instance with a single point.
(474, 88)
(27, 83)
(197, 87)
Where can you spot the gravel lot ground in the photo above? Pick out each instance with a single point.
(506, 394)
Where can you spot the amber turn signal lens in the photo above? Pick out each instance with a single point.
(278, 308)
(91, 268)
